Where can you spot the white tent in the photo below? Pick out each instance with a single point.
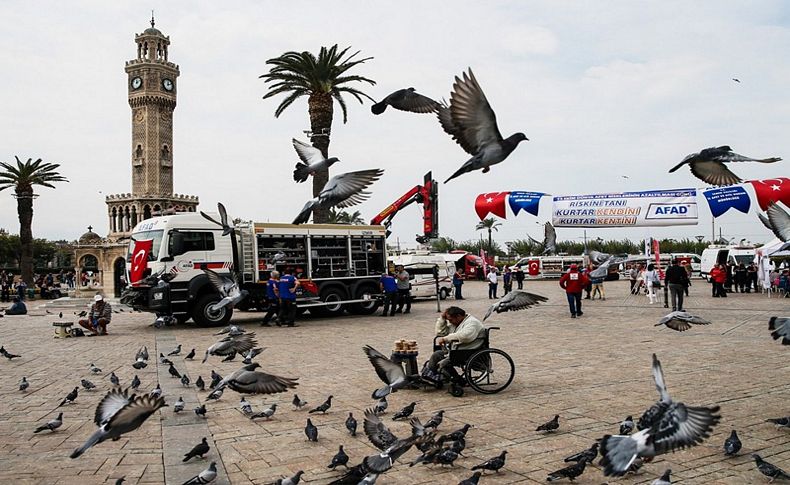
(776, 248)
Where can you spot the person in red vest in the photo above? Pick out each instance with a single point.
(573, 282)
(718, 276)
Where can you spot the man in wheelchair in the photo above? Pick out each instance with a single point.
(459, 335)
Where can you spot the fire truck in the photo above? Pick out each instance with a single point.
(338, 266)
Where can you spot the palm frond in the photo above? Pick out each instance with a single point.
(288, 102)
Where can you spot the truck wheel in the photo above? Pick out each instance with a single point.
(205, 317)
(332, 295)
(364, 308)
(443, 293)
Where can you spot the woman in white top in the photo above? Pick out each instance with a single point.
(492, 282)
(651, 278)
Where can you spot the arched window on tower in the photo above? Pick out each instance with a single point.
(146, 212)
(138, 153)
(165, 152)
(145, 50)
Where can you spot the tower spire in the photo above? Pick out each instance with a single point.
(152, 19)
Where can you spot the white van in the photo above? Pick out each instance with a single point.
(420, 269)
(694, 259)
(724, 255)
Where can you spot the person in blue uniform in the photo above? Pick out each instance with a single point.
(272, 302)
(389, 286)
(286, 292)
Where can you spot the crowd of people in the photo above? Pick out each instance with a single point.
(46, 286)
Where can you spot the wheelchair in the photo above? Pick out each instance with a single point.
(484, 369)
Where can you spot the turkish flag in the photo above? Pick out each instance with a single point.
(492, 202)
(772, 190)
(140, 260)
(533, 267)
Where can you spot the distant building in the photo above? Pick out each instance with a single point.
(152, 97)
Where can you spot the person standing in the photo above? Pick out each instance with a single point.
(717, 277)
(286, 292)
(587, 289)
(458, 282)
(676, 279)
(741, 277)
(573, 282)
(751, 281)
(519, 278)
(21, 289)
(272, 302)
(633, 276)
(492, 283)
(389, 287)
(507, 280)
(652, 281)
(689, 271)
(404, 289)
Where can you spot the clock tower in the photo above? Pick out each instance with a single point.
(151, 87)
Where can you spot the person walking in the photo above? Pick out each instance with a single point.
(519, 277)
(286, 292)
(492, 283)
(458, 282)
(633, 277)
(597, 288)
(676, 279)
(573, 282)
(741, 277)
(717, 277)
(272, 302)
(751, 281)
(507, 280)
(653, 282)
(389, 287)
(587, 289)
(689, 272)
(404, 289)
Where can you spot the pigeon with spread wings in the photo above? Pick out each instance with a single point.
(549, 239)
(708, 165)
(406, 100)
(247, 380)
(223, 221)
(515, 300)
(777, 220)
(228, 289)
(780, 329)
(471, 122)
(232, 345)
(681, 321)
(312, 161)
(344, 190)
(388, 371)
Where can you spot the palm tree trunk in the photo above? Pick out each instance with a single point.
(489, 239)
(24, 208)
(320, 108)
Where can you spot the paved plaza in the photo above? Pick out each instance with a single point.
(592, 371)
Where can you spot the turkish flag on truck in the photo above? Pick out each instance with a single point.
(139, 260)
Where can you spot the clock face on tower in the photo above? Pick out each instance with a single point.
(167, 84)
(136, 82)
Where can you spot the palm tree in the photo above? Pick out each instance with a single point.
(322, 80)
(343, 217)
(489, 224)
(22, 178)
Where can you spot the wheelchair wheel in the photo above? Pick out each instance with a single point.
(489, 371)
(456, 390)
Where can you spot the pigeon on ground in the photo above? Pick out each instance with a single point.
(324, 407)
(493, 464)
(294, 480)
(405, 412)
(51, 425)
(389, 372)
(215, 380)
(215, 394)
(471, 122)
(298, 403)
(185, 380)
(199, 449)
(114, 379)
(266, 413)
(769, 470)
(666, 426)
(87, 385)
(70, 397)
(164, 360)
(173, 371)
(781, 328)
(201, 410)
(351, 424)
(343, 190)
(551, 426)
(457, 446)
(406, 100)
(175, 351)
(311, 431)
(228, 288)
(206, 476)
(122, 479)
(190, 355)
(249, 381)
(473, 480)
(232, 345)
(708, 165)
(377, 432)
(455, 435)
(515, 300)
(627, 425)
(118, 414)
(200, 383)
(381, 406)
(780, 422)
(23, 384)
(156, 392)
(570, 472)
(7, 354)
(95, 369)
(141, 359)
(179, 405)
(224, 222)
(251, 354)
(135, 382)
(435, 420)
(437, 456)
(778, 221)
(681, 321)
(732, 445)
(312, 161)
(340, 459)
(245, 407)
(663, 479)
(588, 455)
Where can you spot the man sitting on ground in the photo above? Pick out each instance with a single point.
(17, 307)
(99, 316)
(461, 332)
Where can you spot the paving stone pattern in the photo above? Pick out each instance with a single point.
(592, 371)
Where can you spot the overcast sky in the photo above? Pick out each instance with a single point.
(602, 89)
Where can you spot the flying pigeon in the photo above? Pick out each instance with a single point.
(51, 425)
(173, 371)
(251, 354)
(435, 420)
(95, 369)
(473, 480)
(135, 382)
(114, 379)
(201, 410)
(249, 381)
(663, 479)
(179, 405)
(70, 397)
(369, 479)
(118, 414)
(185, 380)
(87, 385)
(736, 80)
(388, 371)
(406, 100)
(494, 464)
(344, 190)
(232, 330)
(570, 472)
(190, 355)
(732, 445)
(266, 413)
(223, 221)
(311, 431)
(175, 351)
(200, 383)
(381, 462)
(778, 221)
(708, 165)
(206, 476)
(771, 471)
(324, 407)
(471, 122)
(340, 459)
(7, 354)
(405, 412)
(515, 300)
(666, 426)
(381, 406)
(627, 425)
(603, 268)
(199, 449)
(312, 161)
(351, 424)
(228, 289)
(232, 345)
(550, 426)
(780, 422)
(549, 239)
(681, 321)
(377, 432)
(588, 455)
(298, 403)
(23, 384)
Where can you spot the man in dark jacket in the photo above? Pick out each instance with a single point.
(574, 282)
(677, 280)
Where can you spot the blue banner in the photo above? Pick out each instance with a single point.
(528, 201)
(726, 198)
